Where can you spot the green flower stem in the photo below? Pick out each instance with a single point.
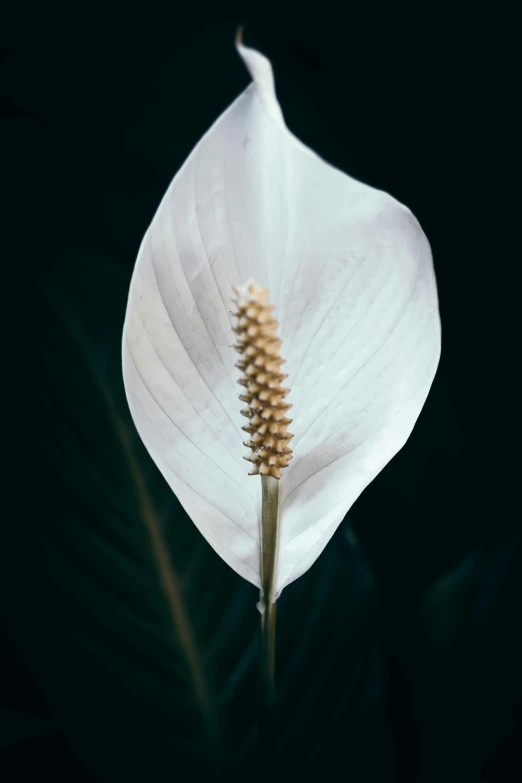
(268, 632)
(269, 543)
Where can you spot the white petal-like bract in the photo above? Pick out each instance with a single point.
(350, 273)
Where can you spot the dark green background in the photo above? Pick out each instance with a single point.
(399, 652)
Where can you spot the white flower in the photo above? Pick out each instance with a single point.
(350, 274)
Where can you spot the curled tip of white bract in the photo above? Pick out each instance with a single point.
(260, 69)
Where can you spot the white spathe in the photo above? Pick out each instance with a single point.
(350, 273)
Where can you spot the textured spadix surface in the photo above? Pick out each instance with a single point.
(350, 273)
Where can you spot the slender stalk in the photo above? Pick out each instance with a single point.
(268, 633)
(269, 544)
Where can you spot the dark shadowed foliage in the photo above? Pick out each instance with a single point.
(399, 652)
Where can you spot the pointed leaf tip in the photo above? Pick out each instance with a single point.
(260, 69)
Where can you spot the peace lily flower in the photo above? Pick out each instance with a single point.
(255, 220)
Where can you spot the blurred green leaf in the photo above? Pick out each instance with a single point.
(16, 726)
(466, 674)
